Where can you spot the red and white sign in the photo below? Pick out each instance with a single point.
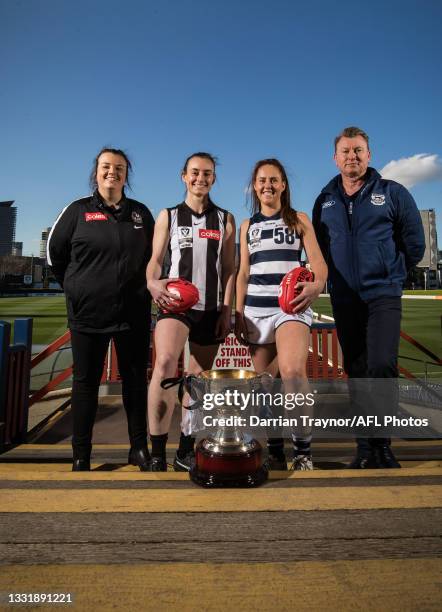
(232, 355)
(95, 216)
(208, 233)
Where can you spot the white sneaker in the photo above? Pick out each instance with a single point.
(302, 463)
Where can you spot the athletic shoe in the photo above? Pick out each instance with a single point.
(384, 457)
(184, 464)
(362, 461)
(302, 463)
(158, 464)
(276, 463)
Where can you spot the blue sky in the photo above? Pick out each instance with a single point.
(241, 79)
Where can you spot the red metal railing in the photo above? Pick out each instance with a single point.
(110, 366)
(437, 361)
(324, 360)
(36, 396)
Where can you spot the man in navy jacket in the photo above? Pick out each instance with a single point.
(370, 233)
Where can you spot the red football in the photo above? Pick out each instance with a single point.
(187, 295)
(287, 291)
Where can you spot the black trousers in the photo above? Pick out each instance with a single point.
(369, 334)
(89, 351)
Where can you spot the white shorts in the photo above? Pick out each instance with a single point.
(261, 330)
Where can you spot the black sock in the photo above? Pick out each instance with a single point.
(159, 445)
(379, 442)
(301, 447)
(275, 447)
(186, 445)
(364, 446)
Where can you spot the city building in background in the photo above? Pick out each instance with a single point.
(44, 242)
(8, 219)
(429, 262)
(430, 257)
(18, 272)
(17, 249)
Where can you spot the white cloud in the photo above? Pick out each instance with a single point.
(412, 170)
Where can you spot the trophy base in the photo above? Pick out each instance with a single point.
(234, 469)
(229, 480)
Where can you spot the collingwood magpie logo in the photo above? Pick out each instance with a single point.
(328, 204)
(136, 218)
(378, 199)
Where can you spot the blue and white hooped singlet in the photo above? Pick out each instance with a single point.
(274, 250)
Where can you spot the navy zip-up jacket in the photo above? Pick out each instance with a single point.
(370, 256)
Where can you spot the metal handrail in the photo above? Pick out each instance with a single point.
(51, 348)
(407, 338)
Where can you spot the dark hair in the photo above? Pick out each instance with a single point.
(93, 174)
(202, 154)
(287, 212)
(351, 132)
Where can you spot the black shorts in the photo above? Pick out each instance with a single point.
(201, 324)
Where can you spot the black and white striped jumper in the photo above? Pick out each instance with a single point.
(195, 248)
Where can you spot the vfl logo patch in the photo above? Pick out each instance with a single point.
(377, 199)
(328, 204)
(213, 234)
(255, 238)
(136, 218)
(185, 240)
(96, 216)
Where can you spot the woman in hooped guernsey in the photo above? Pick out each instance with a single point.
(206, 259)
(98, 248)
(271, 242)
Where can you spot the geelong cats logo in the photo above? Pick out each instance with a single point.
(377, 199)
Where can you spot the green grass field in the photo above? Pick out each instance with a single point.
(49, 314)
(421, 320)
(423, 292)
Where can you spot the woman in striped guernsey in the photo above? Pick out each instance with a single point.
(200, 238)
(271, 243)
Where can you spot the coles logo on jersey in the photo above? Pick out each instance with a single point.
(96, 216)
(208, 233)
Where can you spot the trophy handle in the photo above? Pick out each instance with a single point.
(168, 383)
(185, 383)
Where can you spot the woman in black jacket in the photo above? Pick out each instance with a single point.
(98, 249)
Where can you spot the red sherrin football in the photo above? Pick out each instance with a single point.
(187, 295)
(287, 291)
